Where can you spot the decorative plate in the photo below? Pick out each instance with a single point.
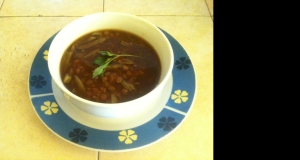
(88, 131)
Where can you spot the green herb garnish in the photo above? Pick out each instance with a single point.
(104, 60)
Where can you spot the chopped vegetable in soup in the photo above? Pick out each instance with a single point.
(110, 66)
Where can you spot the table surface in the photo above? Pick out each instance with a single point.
(26, 25)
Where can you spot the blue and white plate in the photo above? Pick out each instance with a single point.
(105, 134)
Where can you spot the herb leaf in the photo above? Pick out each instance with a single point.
(106, 53)
(104, 60)
(99, 61)
(102, 66)
(99, 70)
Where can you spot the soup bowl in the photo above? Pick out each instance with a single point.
(108, 21)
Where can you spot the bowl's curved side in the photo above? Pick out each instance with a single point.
(118, 21)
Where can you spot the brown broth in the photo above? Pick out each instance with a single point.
(125, 78)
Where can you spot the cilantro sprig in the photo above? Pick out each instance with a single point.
(103, 61)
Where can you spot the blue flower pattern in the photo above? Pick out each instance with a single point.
(183, 63)
(37, 81)
(78, 135)
(167, 123)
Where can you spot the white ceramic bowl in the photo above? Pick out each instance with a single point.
(119, 21)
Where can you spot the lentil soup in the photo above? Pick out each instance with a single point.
(125, 78)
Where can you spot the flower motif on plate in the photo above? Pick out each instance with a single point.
(78, 135)
(37, 81)
(167, 123)
(127, 136)
(46, 55)
(183, 63)
(49, 108)
(179, 96)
